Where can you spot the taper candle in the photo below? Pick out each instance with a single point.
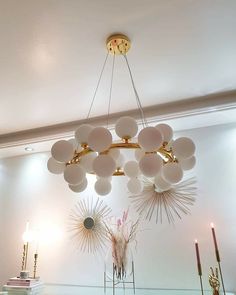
(215, 242)
(198, 259)
(217, 256)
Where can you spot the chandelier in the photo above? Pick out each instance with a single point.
(156, 154)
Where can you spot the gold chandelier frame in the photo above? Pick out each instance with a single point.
(119, 44)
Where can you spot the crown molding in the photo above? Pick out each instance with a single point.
(188, 107)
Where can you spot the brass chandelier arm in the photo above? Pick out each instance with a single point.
(167, 155)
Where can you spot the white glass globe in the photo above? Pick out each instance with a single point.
(135, 186)
(172, 172)
(102, 186)
(120, 161)
(139, 153)
(74, 143)
(166, 132)
(62, 151)
(79, 187)
(87, 161)
(126, 127)
(104, 165)
(161, 184)
(131, 169)
(74, 174)
(55, 167)
(107, 178)
(82, 133)
(187, 164)
(150, 139)
(100, 139)
(151, 165)
(183, 147)
(114, 153)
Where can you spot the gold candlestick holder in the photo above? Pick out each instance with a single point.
(24, 256)
(35, 264)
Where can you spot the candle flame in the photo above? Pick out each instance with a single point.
(212, 225)
(195, 241)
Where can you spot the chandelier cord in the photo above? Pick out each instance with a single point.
(144, 121)
(96, 89)
(111, 86)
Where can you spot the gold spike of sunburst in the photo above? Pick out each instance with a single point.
(87, 225)
(171, 203)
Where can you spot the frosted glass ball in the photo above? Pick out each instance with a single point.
(139, 153)
(55, 167)
(62, 151)
(183, 147)
(100, 139)
(79, 187)
(135, 186)
(126, 127)
(102, 186)
(150, 139)
(187, 164)
(74, 174)
(150, 165)
(114, 153)
(104, 165)
(73, 142)
(172, 172)
(131, 169)
(87, 162)
(166, 131)
(120, 161)
(161, 184)
(82, 133)
(107, 178)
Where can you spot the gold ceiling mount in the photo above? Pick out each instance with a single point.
(118, 44)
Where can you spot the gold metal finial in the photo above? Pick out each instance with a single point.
(118, 44)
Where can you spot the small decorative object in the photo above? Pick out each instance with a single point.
(93, 150)
(121, 235)
(217, 253)
(24, 274)
(87, 224)
(214, 281)
(199, 267)
(159, 197)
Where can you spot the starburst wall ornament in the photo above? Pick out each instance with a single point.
(159, 200)
(87, 225)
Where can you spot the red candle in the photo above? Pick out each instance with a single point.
(198, 259)
(215, 242)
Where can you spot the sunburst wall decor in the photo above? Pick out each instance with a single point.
(87, 225)
(174, 201)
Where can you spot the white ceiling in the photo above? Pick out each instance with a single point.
(52, 53)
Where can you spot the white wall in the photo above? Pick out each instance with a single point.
(1, 227)
(165, 255)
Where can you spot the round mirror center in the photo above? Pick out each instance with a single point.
(89, 222)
